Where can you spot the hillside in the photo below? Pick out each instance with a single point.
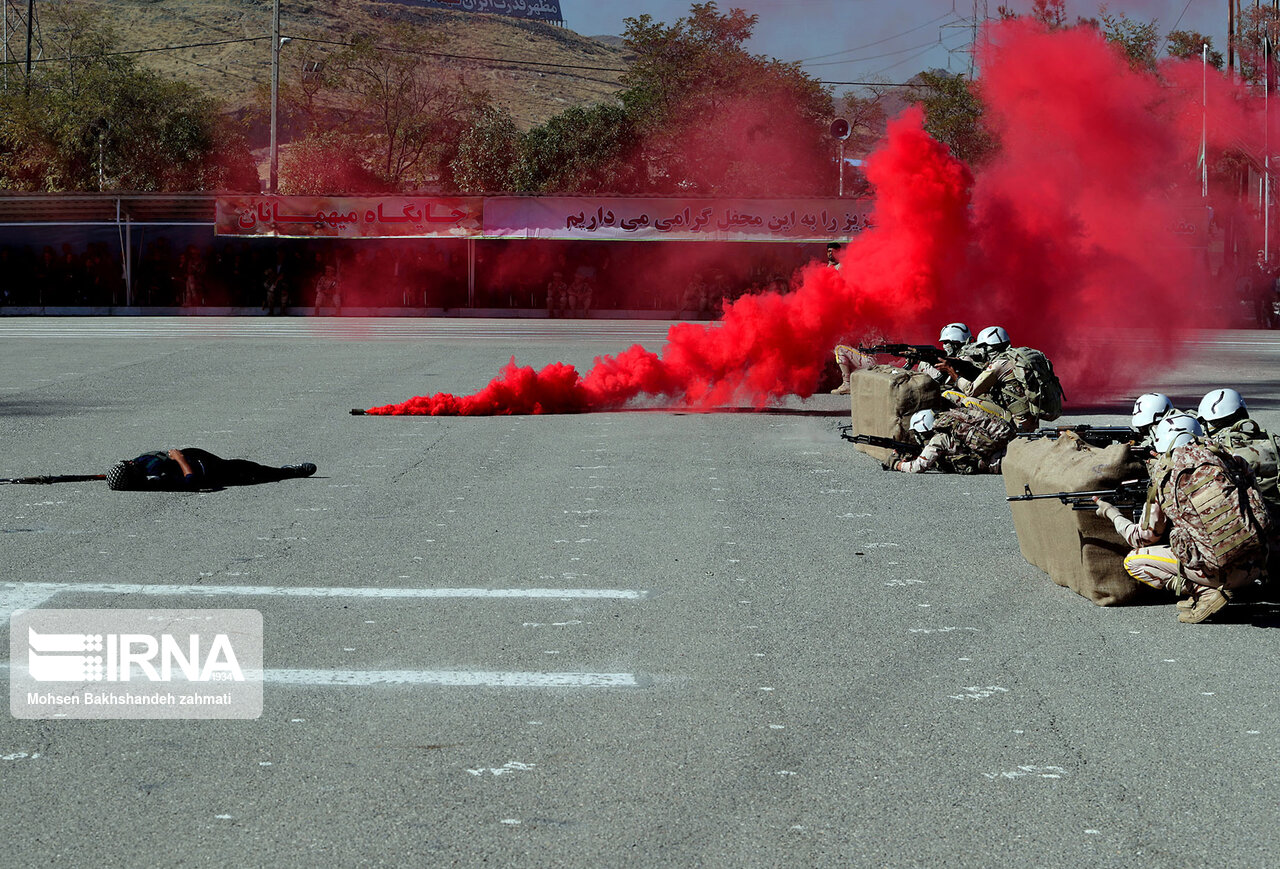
(235, 73)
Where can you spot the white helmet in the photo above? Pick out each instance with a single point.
(922, 421)
(1176, 430)
(957, 333)
(994, 336)
(1148, 409)
(1220, 404)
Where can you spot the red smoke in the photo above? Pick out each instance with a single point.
(1063, 238)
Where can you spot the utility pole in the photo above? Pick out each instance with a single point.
(13, 21)
(1231, 38)
(274, 171)
(979, 21)
(31, 18)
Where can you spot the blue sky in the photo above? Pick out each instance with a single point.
(858, 40)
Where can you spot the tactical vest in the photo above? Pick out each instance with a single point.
(1252, 443)
(1217, 516)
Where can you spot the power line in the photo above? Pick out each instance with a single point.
(144, 50)
(878, 41)
(926, 45)
(878, 84)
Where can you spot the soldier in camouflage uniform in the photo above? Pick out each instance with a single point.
(955, 341)
(1001, 381)
(1227, 424)
(1202, 531)
(958, 441)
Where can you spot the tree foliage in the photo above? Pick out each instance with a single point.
(953, 112)
(1189, 44)
(393, 108)
(96, 121)
(1257, 27)
(487, 153)
(1137, 39)
(712, 118)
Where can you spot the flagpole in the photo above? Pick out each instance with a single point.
(1204, 121)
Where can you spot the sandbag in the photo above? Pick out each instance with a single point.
(882, 400)
(1078, 549)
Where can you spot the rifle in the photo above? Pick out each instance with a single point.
(925, 353)
(1130, 493)
(62, 478)
(1093, 435)
(907, 449)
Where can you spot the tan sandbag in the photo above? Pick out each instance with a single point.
(1079, 550)
(882, 400)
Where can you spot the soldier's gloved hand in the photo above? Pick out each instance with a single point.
(886, 466)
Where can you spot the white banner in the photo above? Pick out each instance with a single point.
(654, 219)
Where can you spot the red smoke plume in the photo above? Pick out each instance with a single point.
(1068, 233)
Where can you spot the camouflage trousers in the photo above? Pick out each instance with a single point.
(851, 359)
(1158, 567)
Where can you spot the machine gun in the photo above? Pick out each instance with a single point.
(1129, 495)
(907, 449)
(925, 353)
(54, 478)
(1093, 435)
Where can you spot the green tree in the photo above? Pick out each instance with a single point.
(1258, 26)
(1051, 13)
(488, 153)
(1137, 39)
(715, 119)
(96, 121)
(408, 114)
(866, 116)
(582, 150)
(1187, 44)
(325, 162)
(953, 113)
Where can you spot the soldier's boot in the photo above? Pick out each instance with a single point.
(842, 389)
(1207, 602)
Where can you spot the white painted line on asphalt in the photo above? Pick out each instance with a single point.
(24, 595)
(445, 678)
(451, 678)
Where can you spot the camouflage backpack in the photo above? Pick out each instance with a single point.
(1217, 515)
(1252, 443)
(981, 433)
(1041, 389)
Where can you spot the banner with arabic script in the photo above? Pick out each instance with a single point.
(808, 220)
(538, 10)
(350, 217)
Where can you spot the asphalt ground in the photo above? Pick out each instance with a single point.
(759, 648)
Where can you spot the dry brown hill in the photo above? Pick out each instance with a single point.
(236, 72)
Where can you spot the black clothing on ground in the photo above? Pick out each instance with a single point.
(158, 471)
